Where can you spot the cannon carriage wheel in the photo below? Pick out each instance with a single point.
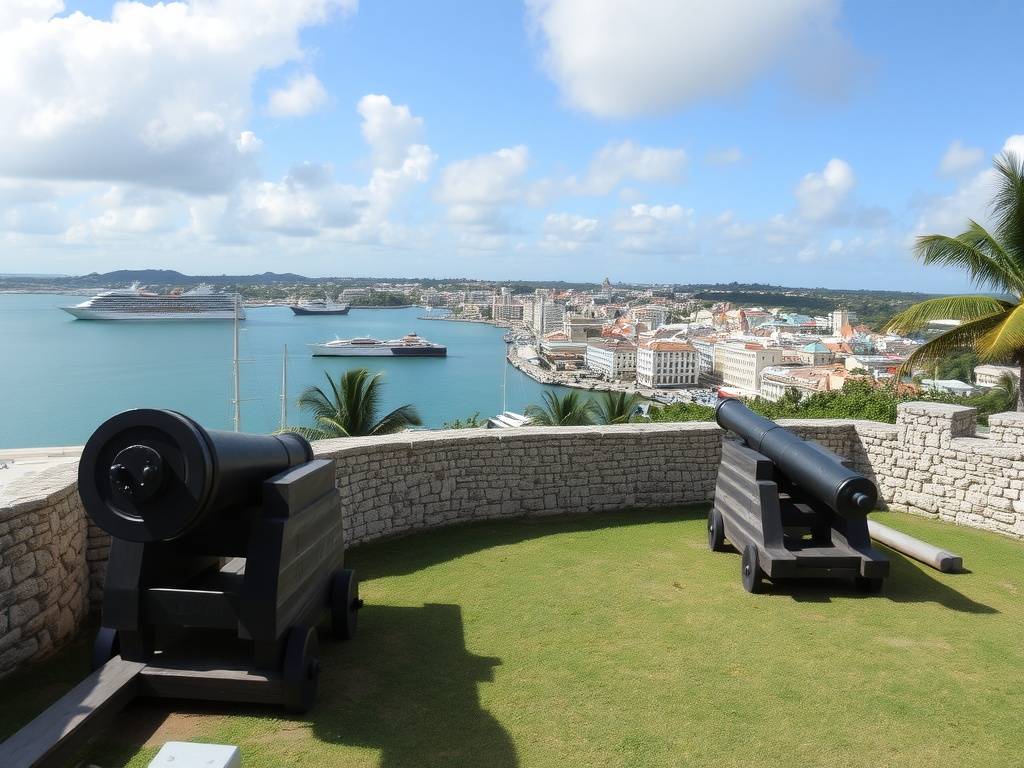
(301, 669)
(751, 570)
(716, 531)
(345, 604)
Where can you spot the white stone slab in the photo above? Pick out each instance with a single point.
(187, 754)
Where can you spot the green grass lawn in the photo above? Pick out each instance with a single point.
(620, 640)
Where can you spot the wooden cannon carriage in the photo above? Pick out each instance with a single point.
(791, 507)
(226, 551)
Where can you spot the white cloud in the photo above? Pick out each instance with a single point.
(617, 59)
(655, 229)
(158, 94)
(248, 143)
(959, 158)
(568, 232)
(820, 196)
(478, 189)
(1014, 144)
(625, 161)
(303, 95)
(388, 128)
(728, 156)
(309, 202)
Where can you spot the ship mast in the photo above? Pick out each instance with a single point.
(237, 419)
(284, 388)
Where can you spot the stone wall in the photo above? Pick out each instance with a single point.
(44, 570)
(931, 463)
(396, 484)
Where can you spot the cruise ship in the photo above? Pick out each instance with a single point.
(409, 345)
(319, 307)
(200, 303)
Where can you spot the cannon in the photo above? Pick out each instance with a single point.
(222, 543)
(226, 550)
(792, 508)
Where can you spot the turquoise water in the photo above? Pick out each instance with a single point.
(60, 377)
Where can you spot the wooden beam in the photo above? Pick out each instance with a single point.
(52, 738)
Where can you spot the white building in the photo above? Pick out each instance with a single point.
(547, 314)
(705, 355)
(615, 360)
(663, 363)
(949, 386)
(740, 365)
(776, 381)
(990, 375)
(652, 315)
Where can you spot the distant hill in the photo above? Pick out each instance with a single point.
(173, 277)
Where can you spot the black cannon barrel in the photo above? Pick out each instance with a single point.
(153, 475)
(814, 471)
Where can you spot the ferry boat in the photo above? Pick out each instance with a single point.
(319, 307)
(200, 303)
(409, 345)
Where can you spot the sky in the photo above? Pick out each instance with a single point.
(796, 142)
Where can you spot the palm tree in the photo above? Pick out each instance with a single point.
(350, 408)
(616, 407)
(992, 326)
(1010, 387)
(569, 410)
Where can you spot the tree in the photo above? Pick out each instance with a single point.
(569, 410)
(350, 408)
(993, 327)
(470, 422)
(616, 407)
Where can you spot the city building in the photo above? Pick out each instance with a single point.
(582, 327)
(815, 354)
(547, 313)
(652, 315)
(878, 366)
(777, 380)
(948, 386)
(991, 375)
(705, 355)
(614, 359)
(740, 365)
(662, 363)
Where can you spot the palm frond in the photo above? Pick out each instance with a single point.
(1006, 340)
(963, 336)
(616, 407)
(966, 252)
(1008, 205)
(964, 308)
(401, 418)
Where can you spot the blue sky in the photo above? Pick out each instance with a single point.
(802, 142)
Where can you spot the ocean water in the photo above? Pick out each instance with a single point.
(61, 377)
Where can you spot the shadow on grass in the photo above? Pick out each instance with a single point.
(408, 686)
(405, 686)
(907, 583)
(439, 545)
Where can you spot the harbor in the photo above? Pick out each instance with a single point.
(82, 372)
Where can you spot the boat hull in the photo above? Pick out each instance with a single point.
(307, 311)
(323, 351)
(87, 313)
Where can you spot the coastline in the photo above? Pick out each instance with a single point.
(465, 320)
(542, 376)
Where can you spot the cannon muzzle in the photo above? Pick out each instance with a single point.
(814, 470)
(154, 475)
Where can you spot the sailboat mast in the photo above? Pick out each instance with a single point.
(284, 388)
(504, 381)
(237, 420)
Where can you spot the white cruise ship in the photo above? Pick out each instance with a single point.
(200, 303)
(409, 345)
